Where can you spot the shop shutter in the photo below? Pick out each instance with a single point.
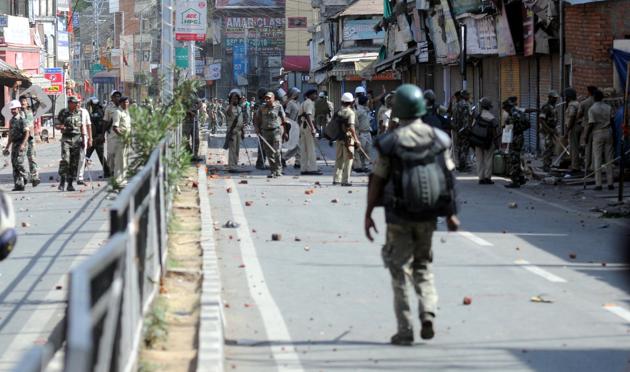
(527, 98)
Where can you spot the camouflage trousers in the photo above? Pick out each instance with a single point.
(274, 138)
(190, 132)
(408, 255)
(462, 147)
(515, 170)
(70, 155)
(17, 162)
(32, 161)
(549, 150)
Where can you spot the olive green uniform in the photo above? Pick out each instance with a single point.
(190, 131)
(344, 154)
(71, 143)
(461, 120)
(271, 119)
(548, 123)
(518, 124)
(18, 128)
(599, 120)
(407, 251)
(31, 154)
(234, 116)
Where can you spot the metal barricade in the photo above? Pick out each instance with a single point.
(111, 291)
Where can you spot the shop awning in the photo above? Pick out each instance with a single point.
(387, 63)
(9, 75)
(296, 63)
(342, 57)
(105, 77)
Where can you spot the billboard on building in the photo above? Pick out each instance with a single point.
(233, 4)
(263, 35)
(63, 46)
(191, 20)
(361, 29)
(63, 5)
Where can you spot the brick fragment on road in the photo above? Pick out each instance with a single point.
(276, 237)
(467, 300)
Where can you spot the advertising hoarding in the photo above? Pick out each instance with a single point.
(191, 20)
(235, 4)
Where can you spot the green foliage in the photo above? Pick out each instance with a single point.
(155, 326)
(152, 122)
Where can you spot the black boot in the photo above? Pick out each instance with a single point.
(62, 184)
(427, 331)
(402, 338)
(70, 187)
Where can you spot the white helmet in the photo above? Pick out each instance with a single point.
(347, 97)
(8, 235)
(15, 104)
(360, 90)
(94, 100)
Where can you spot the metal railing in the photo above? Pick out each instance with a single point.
(112, 290)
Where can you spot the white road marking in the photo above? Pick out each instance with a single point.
(274, 324)
(475, 239)
(540, 272)
(619, 311)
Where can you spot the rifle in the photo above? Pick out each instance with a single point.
(226, 144)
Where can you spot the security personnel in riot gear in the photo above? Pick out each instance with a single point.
(235, 121)
(548, 123)
(433, 116)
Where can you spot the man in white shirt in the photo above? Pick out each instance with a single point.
(86, 123)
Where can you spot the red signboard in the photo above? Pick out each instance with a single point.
(55, 75)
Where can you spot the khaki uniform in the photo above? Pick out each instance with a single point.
(293, 111)
(586, 139)
(407, 251)
(345, 148)
(17, 129)
(599, 119)
(308, 159)
(117, 150)
(570, 117)
(485, 157)
(234, 142)
(365, 137)
(71, 143)
(270, 127)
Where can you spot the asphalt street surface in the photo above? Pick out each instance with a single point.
(320, 299)
(56, 230)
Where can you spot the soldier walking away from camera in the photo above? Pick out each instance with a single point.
(235, 132)
(18, 143)
(260, 158)
(98, 134)
(117, 149)
(344, 153)
(484, 136)
(293, 112)
(408, 157)
(548, 123)
(324, 110)
(29, 118)
(586, 140)
(434, 117)
(308, 158)
(73, 132)
(461, 119)
(599, 122)
(573, 129)
(270, 131)
(363, 128)
(517, 123)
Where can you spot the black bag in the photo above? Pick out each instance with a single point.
(421, 186)
(334, 130)
(481, 133)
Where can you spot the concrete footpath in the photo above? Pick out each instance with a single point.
(56, 230)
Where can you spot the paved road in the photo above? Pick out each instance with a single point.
(64, 229)
(320, 299)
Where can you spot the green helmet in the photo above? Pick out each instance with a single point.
(408, 102)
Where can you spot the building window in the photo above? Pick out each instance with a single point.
(296, 22)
